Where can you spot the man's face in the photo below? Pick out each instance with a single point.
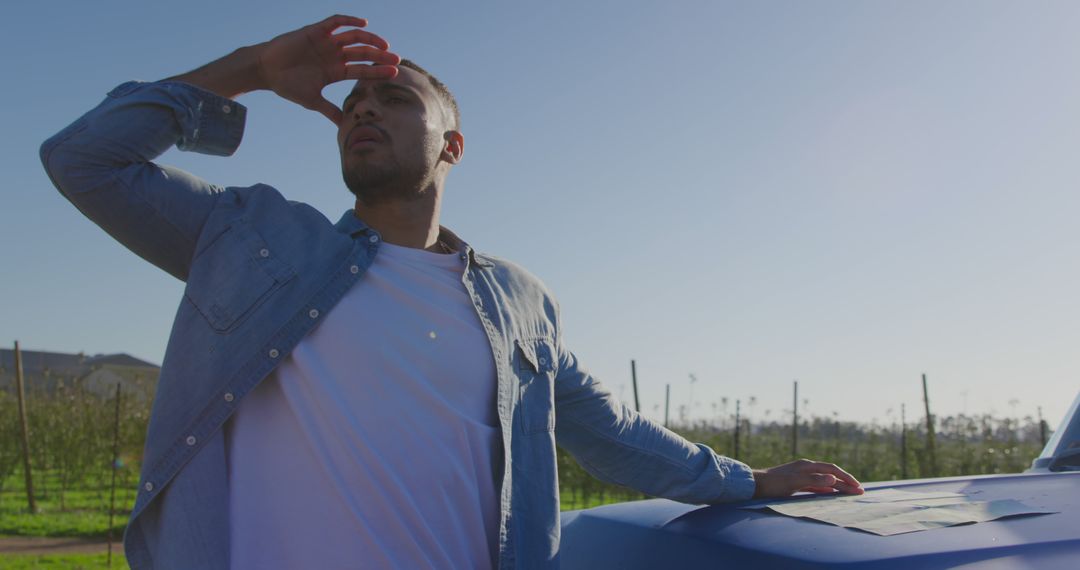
(391, 137)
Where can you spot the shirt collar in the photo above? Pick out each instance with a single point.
(354, 226)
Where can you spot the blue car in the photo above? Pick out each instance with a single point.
(665, 534)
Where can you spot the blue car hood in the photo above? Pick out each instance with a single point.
(664, 534)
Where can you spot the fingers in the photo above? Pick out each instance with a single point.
(839, 488)
(808, 481)
(804, 475)
(351, 37)
(837, 472)
(328, 110)
(821, 477)
(372, 54)
(850, 490)
(382, 62)
(336, 21)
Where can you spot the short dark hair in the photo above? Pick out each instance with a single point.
(440, 88)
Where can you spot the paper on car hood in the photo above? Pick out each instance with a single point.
(890, 511)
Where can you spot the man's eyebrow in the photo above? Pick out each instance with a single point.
(393, 87)
(382, 88)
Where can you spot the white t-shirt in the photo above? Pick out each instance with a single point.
(372, 444)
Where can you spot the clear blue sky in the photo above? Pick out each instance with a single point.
(845, 193)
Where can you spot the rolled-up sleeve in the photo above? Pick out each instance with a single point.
(102, 164)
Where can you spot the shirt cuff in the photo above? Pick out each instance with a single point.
(209, 123)
(738, 479)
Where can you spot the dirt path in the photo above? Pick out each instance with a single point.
(46, 545)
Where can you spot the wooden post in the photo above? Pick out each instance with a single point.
(633, 375)
(114, 465)
(25, 429)
(903, 443)
(836, 436)
(667, 403)
(737, 402)
(795, 423)
(930, 442)
(748, 438)
(1042, 428)
(690, 401)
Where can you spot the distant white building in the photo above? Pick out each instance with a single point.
(44, 372)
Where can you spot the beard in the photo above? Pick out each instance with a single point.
(387, 181)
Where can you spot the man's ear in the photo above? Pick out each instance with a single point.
(453, 147)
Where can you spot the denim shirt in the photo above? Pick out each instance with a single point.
(261, 271)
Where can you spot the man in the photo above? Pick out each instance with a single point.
(370, 393)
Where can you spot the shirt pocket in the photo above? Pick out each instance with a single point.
(234, 275)
(535, 367)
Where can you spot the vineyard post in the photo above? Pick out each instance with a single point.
(690, 400)
(795, 423)
(1042, 428)
(633, 376)
(903, 443)
(667, 403)
(748, 434)
(930, 447)
(25, 429)
(114, 464)
(737, 429)
(836, 435)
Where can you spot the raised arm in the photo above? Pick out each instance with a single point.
(102, 161)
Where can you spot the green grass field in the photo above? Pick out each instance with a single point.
(84, 512)
(66, 562)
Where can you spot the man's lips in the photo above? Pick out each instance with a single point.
(365, 134)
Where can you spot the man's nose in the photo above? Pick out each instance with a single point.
(368, 110)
